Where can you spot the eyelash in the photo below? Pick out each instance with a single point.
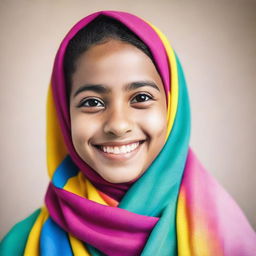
(86, 100)
(143, 94)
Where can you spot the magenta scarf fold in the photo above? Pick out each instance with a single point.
(125, 234)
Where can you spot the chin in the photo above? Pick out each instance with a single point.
(120, 178)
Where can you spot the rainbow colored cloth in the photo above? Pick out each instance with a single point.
(174, 208)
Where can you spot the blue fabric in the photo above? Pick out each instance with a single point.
(65, 170)
(54, 241)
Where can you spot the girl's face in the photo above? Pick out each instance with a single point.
(118, 110)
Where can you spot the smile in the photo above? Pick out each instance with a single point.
(119, 150)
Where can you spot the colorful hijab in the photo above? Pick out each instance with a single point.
(174, 208)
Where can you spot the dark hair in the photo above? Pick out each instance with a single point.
(100, 30)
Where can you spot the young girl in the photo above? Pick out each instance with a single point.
(123, 178)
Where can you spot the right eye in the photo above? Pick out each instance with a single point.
(91, 102)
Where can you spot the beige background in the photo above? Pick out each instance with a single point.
(216, 42)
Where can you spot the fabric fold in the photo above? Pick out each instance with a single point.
(93, 223)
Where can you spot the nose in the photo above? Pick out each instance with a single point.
(117, 122)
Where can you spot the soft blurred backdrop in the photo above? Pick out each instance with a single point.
(216, 43)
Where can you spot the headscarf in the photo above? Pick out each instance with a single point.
(174, 208)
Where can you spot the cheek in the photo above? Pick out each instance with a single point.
(82, 129)
(155, 123)
(155, 126)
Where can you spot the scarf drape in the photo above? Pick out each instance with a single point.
(174, 208)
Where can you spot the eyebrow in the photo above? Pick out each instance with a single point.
(99, 88)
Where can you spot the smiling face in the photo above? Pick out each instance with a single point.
(118, 110)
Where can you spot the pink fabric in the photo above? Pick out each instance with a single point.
(213, 214)
(88, 221)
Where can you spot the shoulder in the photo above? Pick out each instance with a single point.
(15, 240)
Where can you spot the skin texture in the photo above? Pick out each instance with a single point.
(118, 114)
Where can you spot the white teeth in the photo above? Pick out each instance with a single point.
(116, 150)
(120, 150)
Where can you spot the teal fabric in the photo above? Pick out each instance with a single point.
(13, 244)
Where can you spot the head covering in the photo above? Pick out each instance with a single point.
(174, 208)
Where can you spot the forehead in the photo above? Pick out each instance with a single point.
(114, 62)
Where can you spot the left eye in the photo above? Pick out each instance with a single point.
(92, 102)
(141, 98)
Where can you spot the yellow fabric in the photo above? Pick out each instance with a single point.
(56, 149)
(192, 238)
(77, 185)
(93, 194)
(84, 188)
(189, 245)
(32, 246)
(182, 228)
(78, 247)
